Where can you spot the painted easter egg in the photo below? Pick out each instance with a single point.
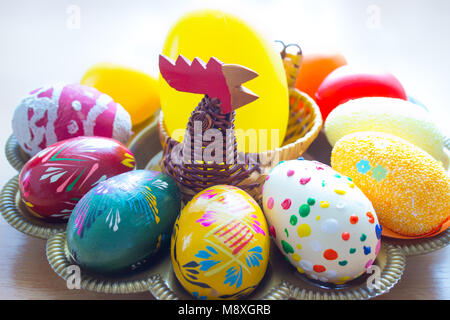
(315, 67)
(135, 90)
(54, 180)
(321, 221)
(408, 188)
(395, 116)
(63, 111)
(120, 224)
(220, 244)
(347, 83)
(213, 33)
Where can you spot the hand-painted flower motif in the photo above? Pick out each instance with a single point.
(234, 277)
(207, 263)
(198, 297)
(379, 173)
(103, 227)
(363, 166)
(207, 219)
(127, 195)
(256, 225)
(208, 194)
(67, 170)
(254, 256)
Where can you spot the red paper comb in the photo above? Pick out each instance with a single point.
(216, 79)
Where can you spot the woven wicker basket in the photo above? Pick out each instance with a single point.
(304, 125)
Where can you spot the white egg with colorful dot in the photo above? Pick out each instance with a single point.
(321, 221)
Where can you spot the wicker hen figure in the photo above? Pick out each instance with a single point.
(187, 162)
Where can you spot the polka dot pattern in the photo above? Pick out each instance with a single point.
(306, 265)
(304, 210)
(371, 217)
(270, 203)
(305, 180)
(293, 220)
(326, 226)
(378, 231)
(304, 230)
(343, 263)
(354, 219)
(287, 248)
(324, 204)
(340, 205)
(272, 231)
(319, 268)
(286, 204)
(315, 246)
(345, 236)
(330, 226)
(330, 254)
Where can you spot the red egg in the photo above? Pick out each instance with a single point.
(52, 182)
(347, 83)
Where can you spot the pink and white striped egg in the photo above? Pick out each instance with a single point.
(62, 111)
(321, 221)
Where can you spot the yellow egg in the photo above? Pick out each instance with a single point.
(209, 33)
(136, 91)
(220, 244)
(408, 188)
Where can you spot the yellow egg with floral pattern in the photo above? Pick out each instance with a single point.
(220, 244)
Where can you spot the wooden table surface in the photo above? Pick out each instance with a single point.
(40, 44)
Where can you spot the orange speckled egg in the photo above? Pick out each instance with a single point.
(408, 188)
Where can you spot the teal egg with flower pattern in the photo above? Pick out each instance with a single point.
(120, 224)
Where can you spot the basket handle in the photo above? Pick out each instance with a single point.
(291, 62)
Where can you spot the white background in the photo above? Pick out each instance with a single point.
(39, 45)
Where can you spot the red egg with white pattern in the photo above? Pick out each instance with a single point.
(52, 182)
(54, 113)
